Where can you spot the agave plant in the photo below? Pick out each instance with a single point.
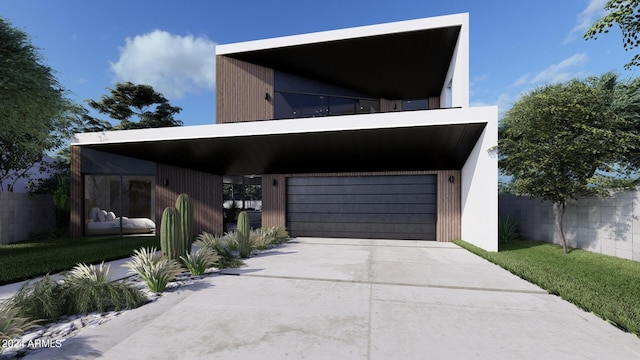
(508, 230)
(156, 270)
(12, 325)
(200, 261)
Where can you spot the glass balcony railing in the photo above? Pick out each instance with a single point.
(289, 105)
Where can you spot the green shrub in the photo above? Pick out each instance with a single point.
(155, 269)
(88, 289)
(220, 245)
(272, 235)
(43, 299)
(84, 289)
(231, 240)
(508, 230)
(200, 261)
(11, 324)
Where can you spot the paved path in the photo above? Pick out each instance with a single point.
(356, 299)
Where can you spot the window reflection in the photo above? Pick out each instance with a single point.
(119, 204)
(288, 105)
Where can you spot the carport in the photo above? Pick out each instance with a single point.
(414, 158)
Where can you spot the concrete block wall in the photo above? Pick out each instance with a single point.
(23, 215)
(609, 225)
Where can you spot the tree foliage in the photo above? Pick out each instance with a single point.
(562, 141)
(34, 112)
(625, 13)
(129, 100)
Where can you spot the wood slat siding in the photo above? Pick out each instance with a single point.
(449, 200)
(76, 193)
(434, 103)
(240, 91)
(204, 189)
(387, 105)
(448, 225)
(274, 200)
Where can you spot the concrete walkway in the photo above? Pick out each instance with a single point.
(355, 299)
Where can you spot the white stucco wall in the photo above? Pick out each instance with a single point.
(455, 90)
(480, 187)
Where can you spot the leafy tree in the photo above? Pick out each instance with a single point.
(562, 141)
(128, 100)
(34, 114)
(625, 13)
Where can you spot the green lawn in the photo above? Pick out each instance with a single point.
(604, 285)
(28, 259)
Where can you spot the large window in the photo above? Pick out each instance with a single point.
(117, 204)
(289, 105)
(416, 104)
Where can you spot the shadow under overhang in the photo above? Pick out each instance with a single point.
(435, 147)
(403, 65)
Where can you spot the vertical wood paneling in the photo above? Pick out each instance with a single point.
(448, 225)
(434, 102)
(204, 189)
(77, 194)
(386, 105)
(241, 89)
(274, 200)
(449, 214)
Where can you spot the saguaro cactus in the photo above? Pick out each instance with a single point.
(244, 235)
(185, 207)
(171, 239)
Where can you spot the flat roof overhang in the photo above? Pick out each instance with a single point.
(418, 140)
(401, 60)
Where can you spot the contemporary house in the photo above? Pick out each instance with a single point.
(364, 132)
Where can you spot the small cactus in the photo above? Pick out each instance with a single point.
(244, 235)
(185, 207)
(171, 239)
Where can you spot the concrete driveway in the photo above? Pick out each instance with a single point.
(355, 299)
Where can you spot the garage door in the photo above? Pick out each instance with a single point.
(369, 207)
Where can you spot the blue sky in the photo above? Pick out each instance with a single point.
(514, 45)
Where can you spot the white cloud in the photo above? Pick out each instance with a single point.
(555, 73)
(586, 18)
(174, 65)
(561, 71)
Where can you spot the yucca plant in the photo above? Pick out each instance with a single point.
(508, 230)
(12, 325)
(220, 245)
(156, 270)
(88, 289)
(199, 261)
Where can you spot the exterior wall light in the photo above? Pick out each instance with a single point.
(451, 179)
